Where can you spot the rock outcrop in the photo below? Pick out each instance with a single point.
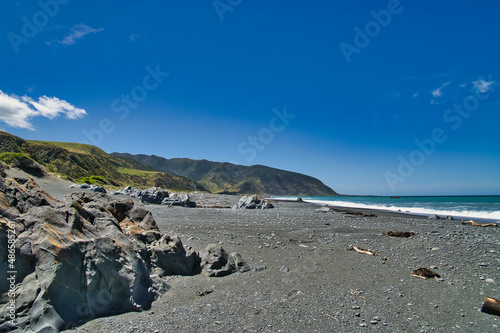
(158, 196)
(252, 202)
(215, 261)
(87, 256)
(2, 169)
(93, 188)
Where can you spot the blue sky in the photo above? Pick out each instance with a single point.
(371, 97)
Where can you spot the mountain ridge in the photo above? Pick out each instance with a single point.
(86, 163)
(227, 177)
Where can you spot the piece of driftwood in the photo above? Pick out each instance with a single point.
(471, 222)
(399, 233)
(326, 314)
(424, 273)
(361, 250)
(491, 306)
(206, 292)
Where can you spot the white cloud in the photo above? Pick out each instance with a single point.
(482, 85)
(17, 111)
(439, 91)
(78, 31)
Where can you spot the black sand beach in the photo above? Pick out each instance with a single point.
(303, 278)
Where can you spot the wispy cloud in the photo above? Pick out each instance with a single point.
(482, 85)
(135, 37)
(415, 95)
(17, 111)
(78, 31)
(438, 93)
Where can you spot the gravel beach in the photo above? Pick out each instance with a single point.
(304, 279)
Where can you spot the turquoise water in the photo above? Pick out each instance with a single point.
(470, 207)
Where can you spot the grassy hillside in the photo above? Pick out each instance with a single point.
(227, 177)
(80, 162)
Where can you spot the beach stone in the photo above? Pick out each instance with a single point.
(433, 217)
(88, 256)
(175, 199)
(323, 210)
(252, 202)
(95, 188)
(153, 195)
(216, 262)
(158, 196)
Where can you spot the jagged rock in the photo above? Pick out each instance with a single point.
(158, 196)
(87, 256)
(252, 202)
(93, 188)
(216, 262)
(3, 167)
(433, 217)
(175, 199)
(153, 195)
(20, 195)
(129, 190)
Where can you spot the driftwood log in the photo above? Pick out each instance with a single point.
(399, 233)
(491, 306)
(424, 273)
(479, 224)
(361, 250)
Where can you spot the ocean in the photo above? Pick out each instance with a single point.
(480, 208)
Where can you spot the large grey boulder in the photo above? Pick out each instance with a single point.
(216, 262)
(93, 188)
(158, 196)
(153, 195)
(87, 256)
(175, 199)
(252, 202)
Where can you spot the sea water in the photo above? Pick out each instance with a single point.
(480, 208)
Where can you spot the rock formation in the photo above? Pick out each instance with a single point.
(87, 256)
(252, 202)
(158, 196)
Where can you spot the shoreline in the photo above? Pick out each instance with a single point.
(388, 212)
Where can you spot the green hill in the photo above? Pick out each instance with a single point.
(86, 163)
(227, 177)
(80, 162)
